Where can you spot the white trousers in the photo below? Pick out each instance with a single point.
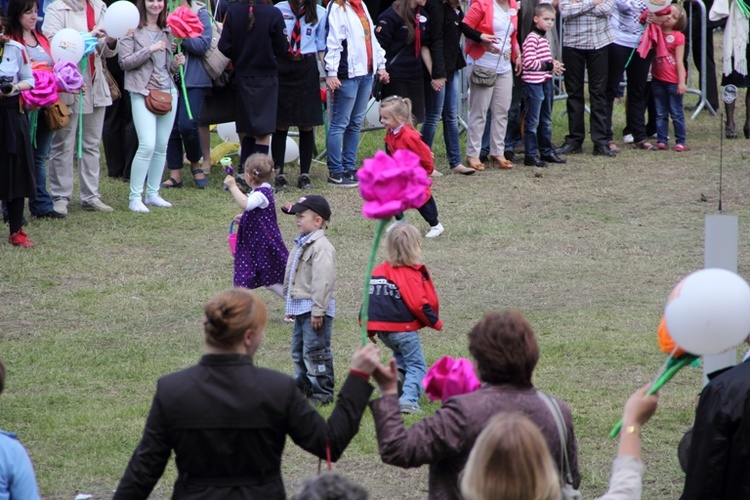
(497, 99)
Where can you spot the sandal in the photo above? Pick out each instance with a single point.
(199, 183)
(729, 132)
(174, 183)
(613, 147)
(645, 145)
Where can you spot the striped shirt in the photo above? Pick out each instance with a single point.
(537, 58)
(585, 25)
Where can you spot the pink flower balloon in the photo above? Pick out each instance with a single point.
(184, 23)
(67, 76)
(450, 377)
(44, 92)
(392, 185)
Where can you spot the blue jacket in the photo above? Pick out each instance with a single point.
(196, 75)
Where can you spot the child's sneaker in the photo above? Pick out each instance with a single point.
(661, 146)
(20, 239)
(681, 147)
(435, 231)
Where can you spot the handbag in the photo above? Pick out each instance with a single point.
(57, 115)
(484, 77)
(159, 102)
(214, 61)
(568, 492)
(114, 89)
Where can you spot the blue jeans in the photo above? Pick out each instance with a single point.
(668, 102)
(185, 130)
(42, 204)
(537, 134)
(407, 349)
(312, 356)
(349, 107)
(445, 104)
(153, 134)
(513, 135)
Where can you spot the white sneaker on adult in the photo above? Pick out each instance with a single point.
(157, 201)
(435, 231)
(96, 205)
(138, 206)
(60, 206)
(628, 139)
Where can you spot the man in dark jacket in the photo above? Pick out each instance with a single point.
(719, 457)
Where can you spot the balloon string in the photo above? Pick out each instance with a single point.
(370, 265)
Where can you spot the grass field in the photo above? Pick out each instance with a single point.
(589, 251)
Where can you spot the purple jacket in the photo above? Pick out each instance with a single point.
(445, 439)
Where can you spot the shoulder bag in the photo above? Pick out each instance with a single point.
(159, 102)
(213, 60)
(57, 115)
(485, 77)
(568, 492)
(114, 89)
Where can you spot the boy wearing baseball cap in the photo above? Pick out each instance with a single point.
(309, 288)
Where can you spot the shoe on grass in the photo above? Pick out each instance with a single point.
(304, 182)
(138, 207)
(60, 206)
(157, 201)
(95, 205)
(342, 181)
(20, 239)
(281, 183)
(435, 231)
(410, 409)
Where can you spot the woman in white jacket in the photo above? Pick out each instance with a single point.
(353, 56)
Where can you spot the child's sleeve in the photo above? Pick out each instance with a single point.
(420, 298)
(256, 199)
(531, 60)
(323, 279)
(417, 145)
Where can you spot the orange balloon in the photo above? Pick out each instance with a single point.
(666, 343)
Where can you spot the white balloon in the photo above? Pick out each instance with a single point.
(67, 45)
(292, 150)
(657, 5)
(708, 312)
(227, 132)
(373, 113)
(120, 18)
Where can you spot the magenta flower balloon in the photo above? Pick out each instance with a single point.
(450, 377)
(67, 76)
(44, 92)
(184, 23)
(392, 185)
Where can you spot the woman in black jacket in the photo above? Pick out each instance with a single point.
(442, 87)
(227, 420)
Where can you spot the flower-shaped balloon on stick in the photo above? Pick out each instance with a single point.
(389, 186)
(90, 42)
(68, 77)
(450, 377)
(184, 23)
(43, 94)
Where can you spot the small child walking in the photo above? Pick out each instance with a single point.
(668, 82)
(309, 289)
(538, 68)
(260, 256)
(403, 300)
(395, 115)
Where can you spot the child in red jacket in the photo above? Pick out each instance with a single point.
(395, 115)
(403, 300)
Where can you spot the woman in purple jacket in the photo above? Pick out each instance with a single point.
(505, 353)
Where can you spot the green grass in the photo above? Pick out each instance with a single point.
(589, 251)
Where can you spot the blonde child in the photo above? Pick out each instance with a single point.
(668, 81)
(395, 115)
(260, 257)
(403, 300)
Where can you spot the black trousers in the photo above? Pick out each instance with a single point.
(429, 212)
(118, 133)
(577, 63)
(637, 72)
(712, 93)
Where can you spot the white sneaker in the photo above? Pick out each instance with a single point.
(60, 206)
(628, 139)
(138, 206)
(436, 173)
(96, 205)
(157, 201)
(435, 231)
